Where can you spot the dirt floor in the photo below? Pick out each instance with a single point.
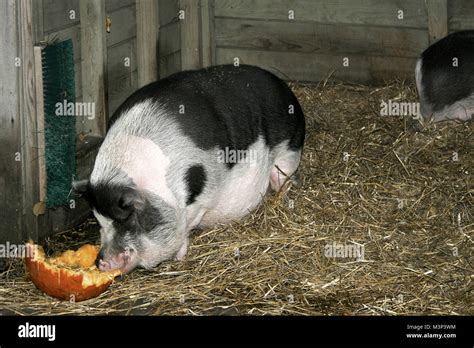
(382, 225)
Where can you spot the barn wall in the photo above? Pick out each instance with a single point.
(323, 33)
(121, 44)
(169, 39)
(460, 15)
(313, 44)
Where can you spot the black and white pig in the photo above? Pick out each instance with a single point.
(445, 79)
(197, 148)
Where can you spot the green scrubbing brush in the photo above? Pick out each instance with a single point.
(59, 129)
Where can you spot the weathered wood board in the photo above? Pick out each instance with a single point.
(114, 5)
(363, 12)
(170, 64)
(308, 67)
(147, 41)
(123, 25)
(10, 136)
(319, 38)
(168, 11)
(169, 39)
(121, 89)
(58, 14)
(119, 57)
(460, 15)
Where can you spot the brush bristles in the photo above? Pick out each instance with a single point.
(60, 130)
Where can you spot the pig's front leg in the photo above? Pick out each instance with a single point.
(183, 250)
(194, 214)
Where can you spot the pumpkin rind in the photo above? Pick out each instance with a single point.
(53, 277)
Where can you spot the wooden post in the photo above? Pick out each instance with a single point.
(27, 109)
(189, 25)
(207, 33)
(94, 64)
(437, 11)
(38, 22)
(147, 39)
(40, 124)
(11, 154)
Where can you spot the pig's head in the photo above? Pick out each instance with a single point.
(137, 227)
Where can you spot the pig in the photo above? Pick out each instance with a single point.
(445, 79)
(195, 149)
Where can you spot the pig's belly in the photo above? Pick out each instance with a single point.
(242, 188)
(240, 194)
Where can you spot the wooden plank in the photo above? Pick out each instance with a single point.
(319, 38)
(461, 15)
(368, 12)
(40, 123)
(38, 22)
(94, 60)
(437, 11)
(57, 14)
(310, 67)
(116, 56)
(123, 25)
(121, 90)
(147, 39)
(78, 78)
(167, 11)
(208, 42)
(170, 64)
(10, 120)
(114, 5)
(169, 39)
(190, 57)
(27, 104)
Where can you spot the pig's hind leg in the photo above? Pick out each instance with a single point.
(285, 169)
(462, 110)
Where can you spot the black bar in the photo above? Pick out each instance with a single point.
(288, 331)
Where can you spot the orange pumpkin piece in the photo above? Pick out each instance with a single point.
(70, 276)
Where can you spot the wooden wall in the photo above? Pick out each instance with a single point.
(380, 39)
(367, 33)
(121, 44)
(169, 40)
(460, 15)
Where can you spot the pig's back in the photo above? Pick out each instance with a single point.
(226, 106)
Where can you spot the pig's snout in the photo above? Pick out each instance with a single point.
(99, 258)
(112, 262)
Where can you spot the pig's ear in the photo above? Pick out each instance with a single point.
(129, 201)
(80, 187)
